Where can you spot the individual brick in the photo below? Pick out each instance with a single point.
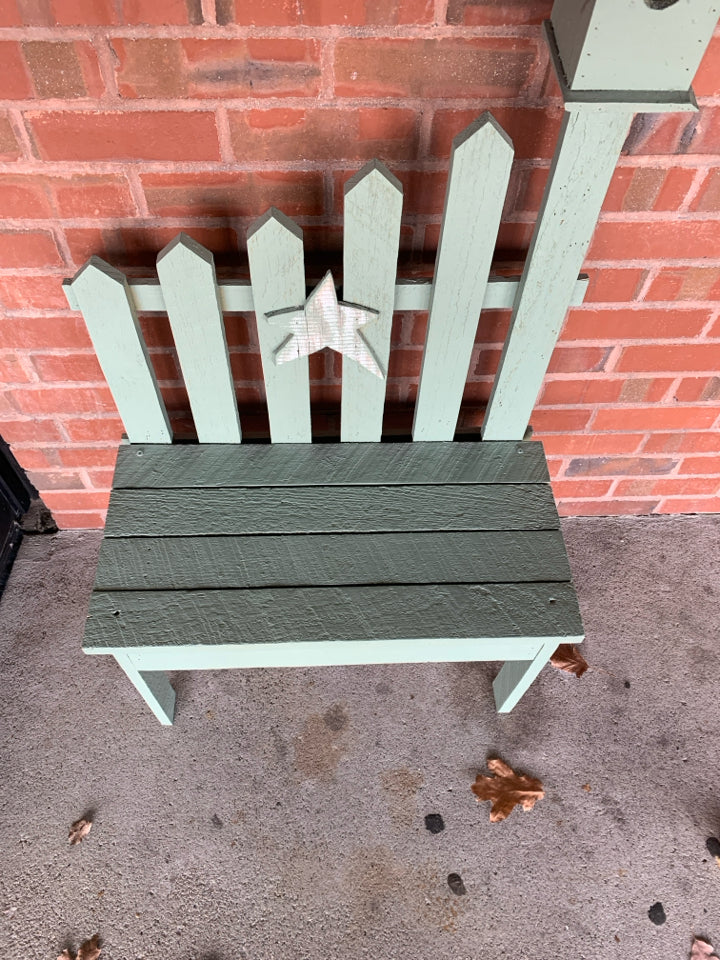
(22, 292)
(687, 505)
(90, 457)
(79, 520)
(585, 390)
(94, 430)
(645, 389)
(606, 508)
(163, 12)
(35, 430)
(592, 444)
(559, 420)
(63, 70)
(652, 240)
(386, 67)
(56, 400)
(318, 13)
(88, 500)
(9, 146)
(654, 418)
(281, 133)
(694, 389)
(658, 323)
(668, 486)
(33, 248)
(217, 68)
(589, 359)
(608, 285)
(533, 130)
(619, 466)
(92, 196)
(24, 197)
(238, 194)
(580, 489)
(68, 368)
(648, 188)
(47, 480)
(12, 371)
(701, 465)
(686, 442)
(14, 77)
(685, 283)
(154, 135)
(83, 12)
(682, 358)
(491, 13)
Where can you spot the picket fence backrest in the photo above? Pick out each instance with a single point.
(189, 292)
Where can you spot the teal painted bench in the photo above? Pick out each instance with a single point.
(310, 555)
(225, 554)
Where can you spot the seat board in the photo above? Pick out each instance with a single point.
(166, 466)
(290, 510)
(158, 618)
(190, 563)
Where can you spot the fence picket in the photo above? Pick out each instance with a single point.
(101, 293)
(277, 272)
(479, 172)
(187, 277)
(373, 207)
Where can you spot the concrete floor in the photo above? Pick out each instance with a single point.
(283, 815)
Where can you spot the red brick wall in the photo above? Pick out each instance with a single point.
(125, 121)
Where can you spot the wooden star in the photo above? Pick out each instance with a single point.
(326, 322)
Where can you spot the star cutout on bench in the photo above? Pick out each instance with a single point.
(326, 322)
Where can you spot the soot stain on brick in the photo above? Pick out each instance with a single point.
(257, 75)
(688, 134)
(641, 128)
(319, 746)
(656, 913)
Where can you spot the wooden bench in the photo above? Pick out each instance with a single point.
(224, 554)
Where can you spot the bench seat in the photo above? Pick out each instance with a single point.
(277, 555)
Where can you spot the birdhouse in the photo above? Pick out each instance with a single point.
(634, 44)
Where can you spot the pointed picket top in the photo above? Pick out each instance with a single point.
(277, 271)
(480, 165)
(373, 210)
(102, 294)
(374, 172)
(189, 286)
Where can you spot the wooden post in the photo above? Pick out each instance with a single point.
(611, 64)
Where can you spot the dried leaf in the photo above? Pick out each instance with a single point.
(90, 950)
(80, 829)
(701, 949)
(506, 790)
(567, 657)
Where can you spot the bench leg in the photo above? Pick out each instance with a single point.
(517, 675)
(153, 686)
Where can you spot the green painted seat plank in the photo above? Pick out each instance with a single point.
(289, 510)
(159, 466)
(159, 618)
(191, 563)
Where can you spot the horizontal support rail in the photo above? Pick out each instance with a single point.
(236, 296)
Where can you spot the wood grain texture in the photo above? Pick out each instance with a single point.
(329, 464)
(289, 510)
(191, 563)
(373, 209)
(277, 272)
(187, 277)
(473, 207)
(102, 294)
(331, 614)
(589, 145)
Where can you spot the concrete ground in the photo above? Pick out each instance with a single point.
(283, 815)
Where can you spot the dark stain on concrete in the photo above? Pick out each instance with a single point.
(434, 823)
(455, 882)
(656, 913)
(336, 718)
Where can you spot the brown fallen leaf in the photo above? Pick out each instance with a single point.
(88, 950)
(567, 657)
(79, 830)
(701, 949)
(506, 790)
